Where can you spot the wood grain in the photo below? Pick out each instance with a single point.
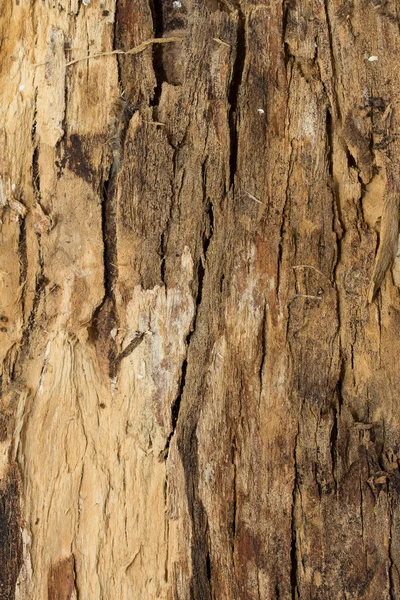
(196, 400)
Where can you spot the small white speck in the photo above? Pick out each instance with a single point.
(177, 4)
(140, 376)
(86, 2)
(373, 58)
(21, 88)
(113, 332)
(260, 111)
(13, 187)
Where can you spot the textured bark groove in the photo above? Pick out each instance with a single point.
(199, 300)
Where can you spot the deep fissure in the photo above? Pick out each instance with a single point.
(158, 65)
(234, 495)
(163, 257)
(234, 93)
(123, 114)
(263, 344)
(333, 444)
(293, 546)
(175, 408)
(40, 281)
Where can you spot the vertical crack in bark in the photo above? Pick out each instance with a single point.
(165, 233)
(336, 215)
(200, 583)
(107, 311)
(333, 445)
(288, 56)
(234, 92)
(175, 408)
(109, 235)
(163, 257)
(263, 345)
(208, 236)
(34, 120)
(336, 105)
(201, 580)
(208, 565)
(23, 259)
(158, 66)
(277, 591)
(294, 549)
(40, 281)
(35, 172)
(109, 232)
(109, 229)
(234, 507)
(166, 521)
(282, 227)
(362, 514)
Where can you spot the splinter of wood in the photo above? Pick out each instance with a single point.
(130, 347)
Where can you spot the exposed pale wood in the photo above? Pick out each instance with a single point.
(197, 199)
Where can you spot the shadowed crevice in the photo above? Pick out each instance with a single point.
(293, 547)
(158, 64)
(200, 583)
(234, 92)
(10, 536)
(207, 236)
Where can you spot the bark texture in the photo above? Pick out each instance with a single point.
(197, 401)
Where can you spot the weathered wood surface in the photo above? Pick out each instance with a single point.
(197, 400)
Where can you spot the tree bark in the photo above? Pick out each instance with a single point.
(199, 301)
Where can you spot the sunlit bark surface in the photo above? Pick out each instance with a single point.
(197, 400)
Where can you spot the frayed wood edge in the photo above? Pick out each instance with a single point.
(387, 246)
(135, 50)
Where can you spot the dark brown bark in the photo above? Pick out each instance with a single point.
(199, 300)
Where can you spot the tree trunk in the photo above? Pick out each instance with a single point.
(198, 348)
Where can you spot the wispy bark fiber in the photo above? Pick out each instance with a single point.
(197, 399)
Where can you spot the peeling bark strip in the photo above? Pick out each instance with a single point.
(10, 536)
(196, 201)
(61, 584)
